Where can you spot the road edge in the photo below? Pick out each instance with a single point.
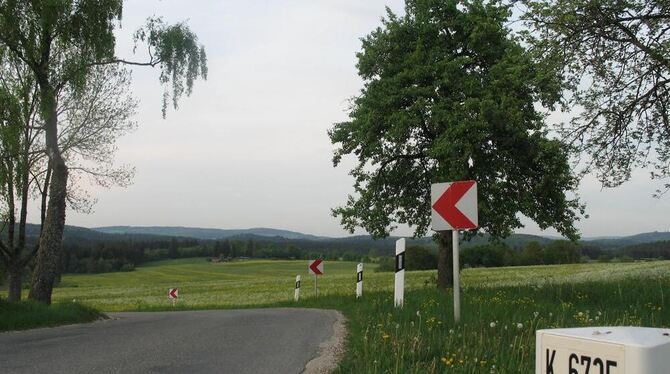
(330, 351)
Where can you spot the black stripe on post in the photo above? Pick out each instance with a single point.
(400, 262)
(297, 285)
(359, 277)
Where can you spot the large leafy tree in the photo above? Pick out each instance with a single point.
(450, 95)
(614, 57)
(89, 125)
(61, 42)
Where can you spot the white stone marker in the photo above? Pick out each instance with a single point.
(399, 272)
(603, 350)
(359, 280)
(296, 294)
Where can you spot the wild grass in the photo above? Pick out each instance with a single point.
(30, 314)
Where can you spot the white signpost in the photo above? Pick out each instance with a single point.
(603, 350)
(454, 207)
(359, 280)
(173, 294)
(296, 293)
(316, 267)
(399, 273)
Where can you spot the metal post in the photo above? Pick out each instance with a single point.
(457, 283)
(316, 287)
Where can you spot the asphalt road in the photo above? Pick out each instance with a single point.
(229, 341)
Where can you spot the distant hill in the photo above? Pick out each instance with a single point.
(203, 233)
(83, 234)
(358, 243)
(612, 243)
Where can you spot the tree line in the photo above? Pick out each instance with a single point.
(499, 254)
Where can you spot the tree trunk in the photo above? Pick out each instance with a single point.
(14, 275)
(49, 253)
(445, 274)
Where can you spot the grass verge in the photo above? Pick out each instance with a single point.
(30, 314)
(497, 333)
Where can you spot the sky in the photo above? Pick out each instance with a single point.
(249, 147)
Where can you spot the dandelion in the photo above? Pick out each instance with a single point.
(492, 324)
(536, 314)
(451, 331)
(519, 325)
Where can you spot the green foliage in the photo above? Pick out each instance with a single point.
(614, 63)
(181, 58)
(490, 255)
(450, 95)
(386, 264)
(420, 258)
(31, 314)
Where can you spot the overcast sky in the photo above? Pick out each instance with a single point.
(249, 148)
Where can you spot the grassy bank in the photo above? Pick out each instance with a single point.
(497, 333)
(29, 314)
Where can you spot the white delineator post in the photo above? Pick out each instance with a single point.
(399, 272)
(457, 278)
(296, 294)
(359, 280)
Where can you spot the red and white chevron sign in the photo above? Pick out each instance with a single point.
(173, 293)
(454, 205)
(316, 267)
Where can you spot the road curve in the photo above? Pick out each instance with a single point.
(217, 341)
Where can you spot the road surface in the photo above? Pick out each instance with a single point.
(223, 341)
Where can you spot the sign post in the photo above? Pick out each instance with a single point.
(359, 280)
(454, 207)
(316, 267)
(399, 273)
(173, 294)
(296, 293)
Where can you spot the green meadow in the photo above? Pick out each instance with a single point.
(502, 308)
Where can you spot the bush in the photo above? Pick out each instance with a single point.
(127, 267)
(386, 264)
(420, 258)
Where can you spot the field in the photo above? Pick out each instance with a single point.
(502, 307)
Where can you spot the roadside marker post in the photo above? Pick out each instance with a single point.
(316, 267)
(457, 279)
(296, 293)
(399, 273)
(454, 208)
(602, 350)
(173, 294)
(359, 280)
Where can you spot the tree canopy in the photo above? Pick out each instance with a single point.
(449, 94)
(614, 60)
